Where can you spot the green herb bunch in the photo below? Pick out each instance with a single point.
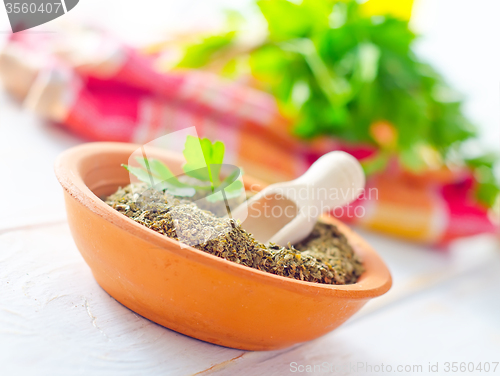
(203, 167)
(354, 77)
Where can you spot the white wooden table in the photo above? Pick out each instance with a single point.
(56, 320)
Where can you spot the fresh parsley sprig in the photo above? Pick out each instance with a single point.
(203, 163)
(338, 72)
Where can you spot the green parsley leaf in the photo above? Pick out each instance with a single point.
(203, 159)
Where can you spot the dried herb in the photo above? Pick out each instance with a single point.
(324, 257)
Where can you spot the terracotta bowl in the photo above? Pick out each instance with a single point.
(190, 291)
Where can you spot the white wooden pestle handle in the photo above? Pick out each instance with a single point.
(334, 180)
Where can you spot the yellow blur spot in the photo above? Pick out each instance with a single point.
(384, 133)
(397, 8)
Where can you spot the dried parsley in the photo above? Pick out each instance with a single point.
(324, 257)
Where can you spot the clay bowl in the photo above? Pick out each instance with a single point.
(190, 291)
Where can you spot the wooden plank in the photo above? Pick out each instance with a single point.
(53, 310)
(55, 319)
(456, 322)
(28, 147)
(418, 268)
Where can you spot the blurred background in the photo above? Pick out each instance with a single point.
(410, 89)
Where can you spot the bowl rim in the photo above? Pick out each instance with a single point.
(375, 281)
